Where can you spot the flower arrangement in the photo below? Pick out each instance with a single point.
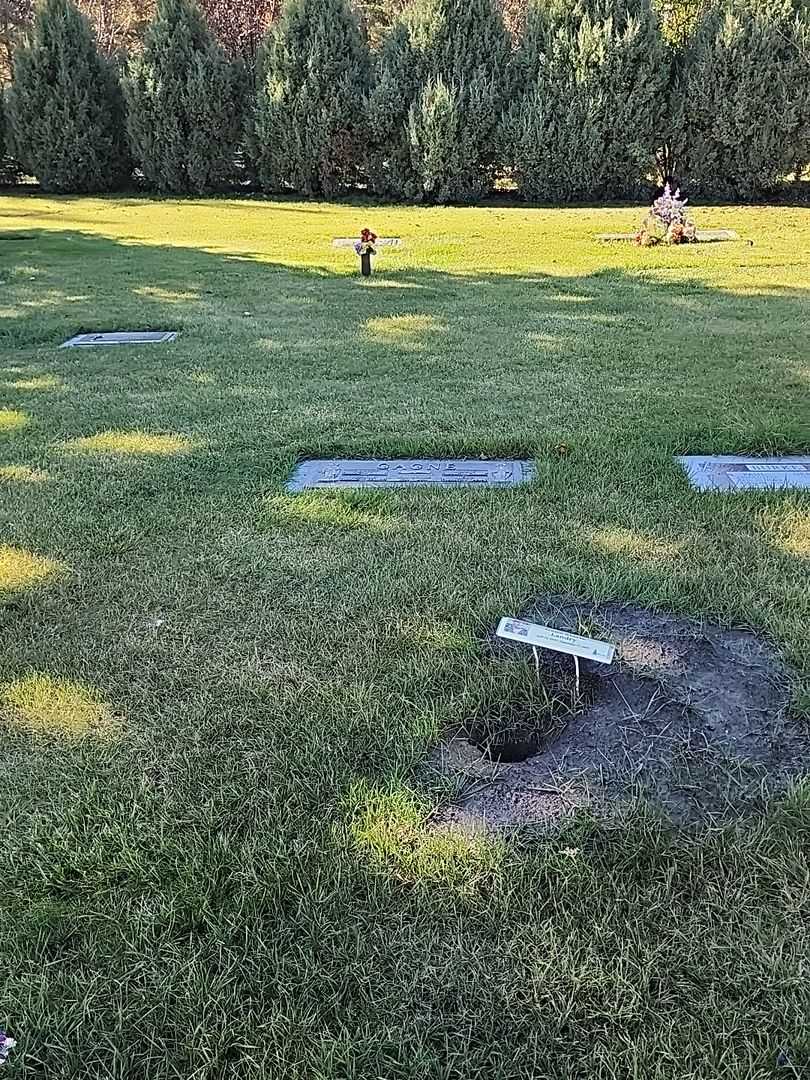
(6, 1046)
(365, 245)
(666, 221)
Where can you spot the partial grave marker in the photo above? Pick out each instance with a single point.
(381, 241)
(715, 235)
(122, 337)
(408, 472)
(727, 472)
(703, 236)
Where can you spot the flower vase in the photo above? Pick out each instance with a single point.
(365, 264)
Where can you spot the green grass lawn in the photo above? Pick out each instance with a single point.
(215, 698)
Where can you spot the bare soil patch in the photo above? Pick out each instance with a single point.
(689, 715)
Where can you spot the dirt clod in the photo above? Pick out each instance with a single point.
(689, 715)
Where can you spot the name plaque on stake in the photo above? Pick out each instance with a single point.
(547, 637)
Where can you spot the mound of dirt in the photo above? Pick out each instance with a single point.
(689, 715)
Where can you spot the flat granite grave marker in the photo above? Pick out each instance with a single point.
(703, 236)
(408, 472)
(727, 472)
(381, 241)
(120, 337)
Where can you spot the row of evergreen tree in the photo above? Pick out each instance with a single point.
(588, 104)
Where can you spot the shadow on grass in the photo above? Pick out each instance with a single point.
(314, 360)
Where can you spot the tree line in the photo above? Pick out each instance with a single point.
(588, 99)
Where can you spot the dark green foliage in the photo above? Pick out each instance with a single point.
(185, 102)
(741, 106)
(587, 124)
(599, 95)
(433, 114)
(396, 87)
(65, 108)
(435, 138)
(9, 173)
(314, 76)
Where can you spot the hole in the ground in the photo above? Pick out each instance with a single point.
(524, 705)
(690, 715)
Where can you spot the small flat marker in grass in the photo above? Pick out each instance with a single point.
(122, 337)
(547, 637)
(703, 236)
(727, 472)
(408, 472)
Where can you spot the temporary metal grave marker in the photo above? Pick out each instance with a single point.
(381, 241)
(122, 337)
(727, 472)
(703, 236)
(408, 472)
(548, 637)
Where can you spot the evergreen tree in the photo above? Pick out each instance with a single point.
(65, 107)
(588, 122)
(10, 172)
(397, 86)
(435, 138)
(185, 102)
(441, 74)
(314, 74)
(741, 106)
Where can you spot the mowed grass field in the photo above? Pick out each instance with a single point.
(216, 858)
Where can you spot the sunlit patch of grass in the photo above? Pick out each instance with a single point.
(23, 474)
(401, 327)
(43, 705)
(324, 508)
(171, 296)
(38, 382)
(20, 569)
(392, 828)
(438, 635)
(52, 298)
(791, 534)
(12, 420)
(616, 540)
(132, 442)
(202, 378)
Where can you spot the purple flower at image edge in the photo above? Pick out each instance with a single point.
(6, 1046)
(358, 247)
